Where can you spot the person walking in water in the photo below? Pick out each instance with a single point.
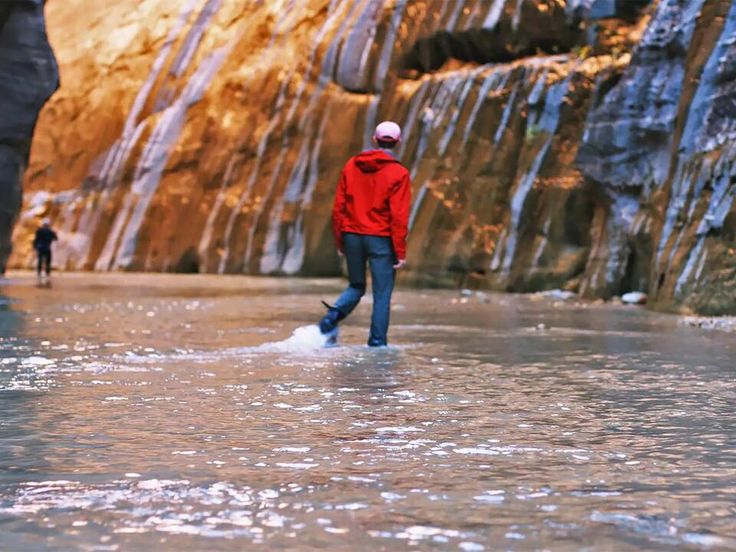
(45, 236)
(370, 219)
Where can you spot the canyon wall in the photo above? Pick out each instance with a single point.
(28, 76)
(583, 144)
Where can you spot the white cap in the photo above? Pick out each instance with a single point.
(46, 221)
(388, 131)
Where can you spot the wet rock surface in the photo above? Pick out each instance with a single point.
(551, 146)
(661, 159)
(28, 76)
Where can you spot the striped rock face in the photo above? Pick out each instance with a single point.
(580, 145)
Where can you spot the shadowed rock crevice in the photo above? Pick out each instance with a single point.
(529, 31)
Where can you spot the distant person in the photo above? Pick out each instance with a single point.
(370, 219)
(45, 236)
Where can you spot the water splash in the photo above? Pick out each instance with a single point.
(304, 339)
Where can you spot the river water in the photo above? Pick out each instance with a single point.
(168, 413)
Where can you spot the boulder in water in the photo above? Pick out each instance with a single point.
(634, 298)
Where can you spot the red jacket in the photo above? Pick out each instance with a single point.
(373, 198)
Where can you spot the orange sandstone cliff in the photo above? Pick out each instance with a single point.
(584, 144)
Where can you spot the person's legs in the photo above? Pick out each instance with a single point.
(356, 258)
(39, 264)
(382, 258)
(47, 260)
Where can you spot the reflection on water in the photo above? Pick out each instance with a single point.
(156, 412)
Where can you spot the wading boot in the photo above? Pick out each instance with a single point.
(328, 324)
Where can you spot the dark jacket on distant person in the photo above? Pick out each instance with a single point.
(45, 236)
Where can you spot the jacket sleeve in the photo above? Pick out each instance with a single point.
(35, 240)
(338, 211)
(54, 237)
(399, 203)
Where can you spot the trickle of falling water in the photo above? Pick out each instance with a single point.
(89, 221)
(701, 265)
(118, 154)
(542, 242)
(271, 255)
(680, 189)
(452, 22)
(422, 145)
(330, 60)
(370, 121)
(388, 45)
(260, 151)
(518, 200)
(264, 201)
(494, 14)
(104, 260)
(318, 39)
(367, 45)
(71, 244)
(451, 126)
(206, 239)
(473, 16)
(328, 64)
(704, 177)
(442, 11)
(490, 83)
(91, 214)
(622, 216)
(193, 38)
(720, 204)
(538, 89)
(245, 196)
(547, 123)
(434, 115)
(506, 115)
(516, 21)
(692, 260)
(280, 23)
(692, 141)
(593, 102)
(409, 123)
(294, 256)
(431, 113)
(702, 100)
(158, 149)
(499, 251)
(270, 259)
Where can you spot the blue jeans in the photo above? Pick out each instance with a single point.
(378, 251)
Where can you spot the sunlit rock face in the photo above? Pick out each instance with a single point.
(28, 76)
(546, 140)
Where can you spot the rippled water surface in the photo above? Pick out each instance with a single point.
(168, 413)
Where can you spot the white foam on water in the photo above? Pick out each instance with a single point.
(37, 361)
(297, 465)
(303, 339)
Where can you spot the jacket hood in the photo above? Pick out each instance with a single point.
(374, 160)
